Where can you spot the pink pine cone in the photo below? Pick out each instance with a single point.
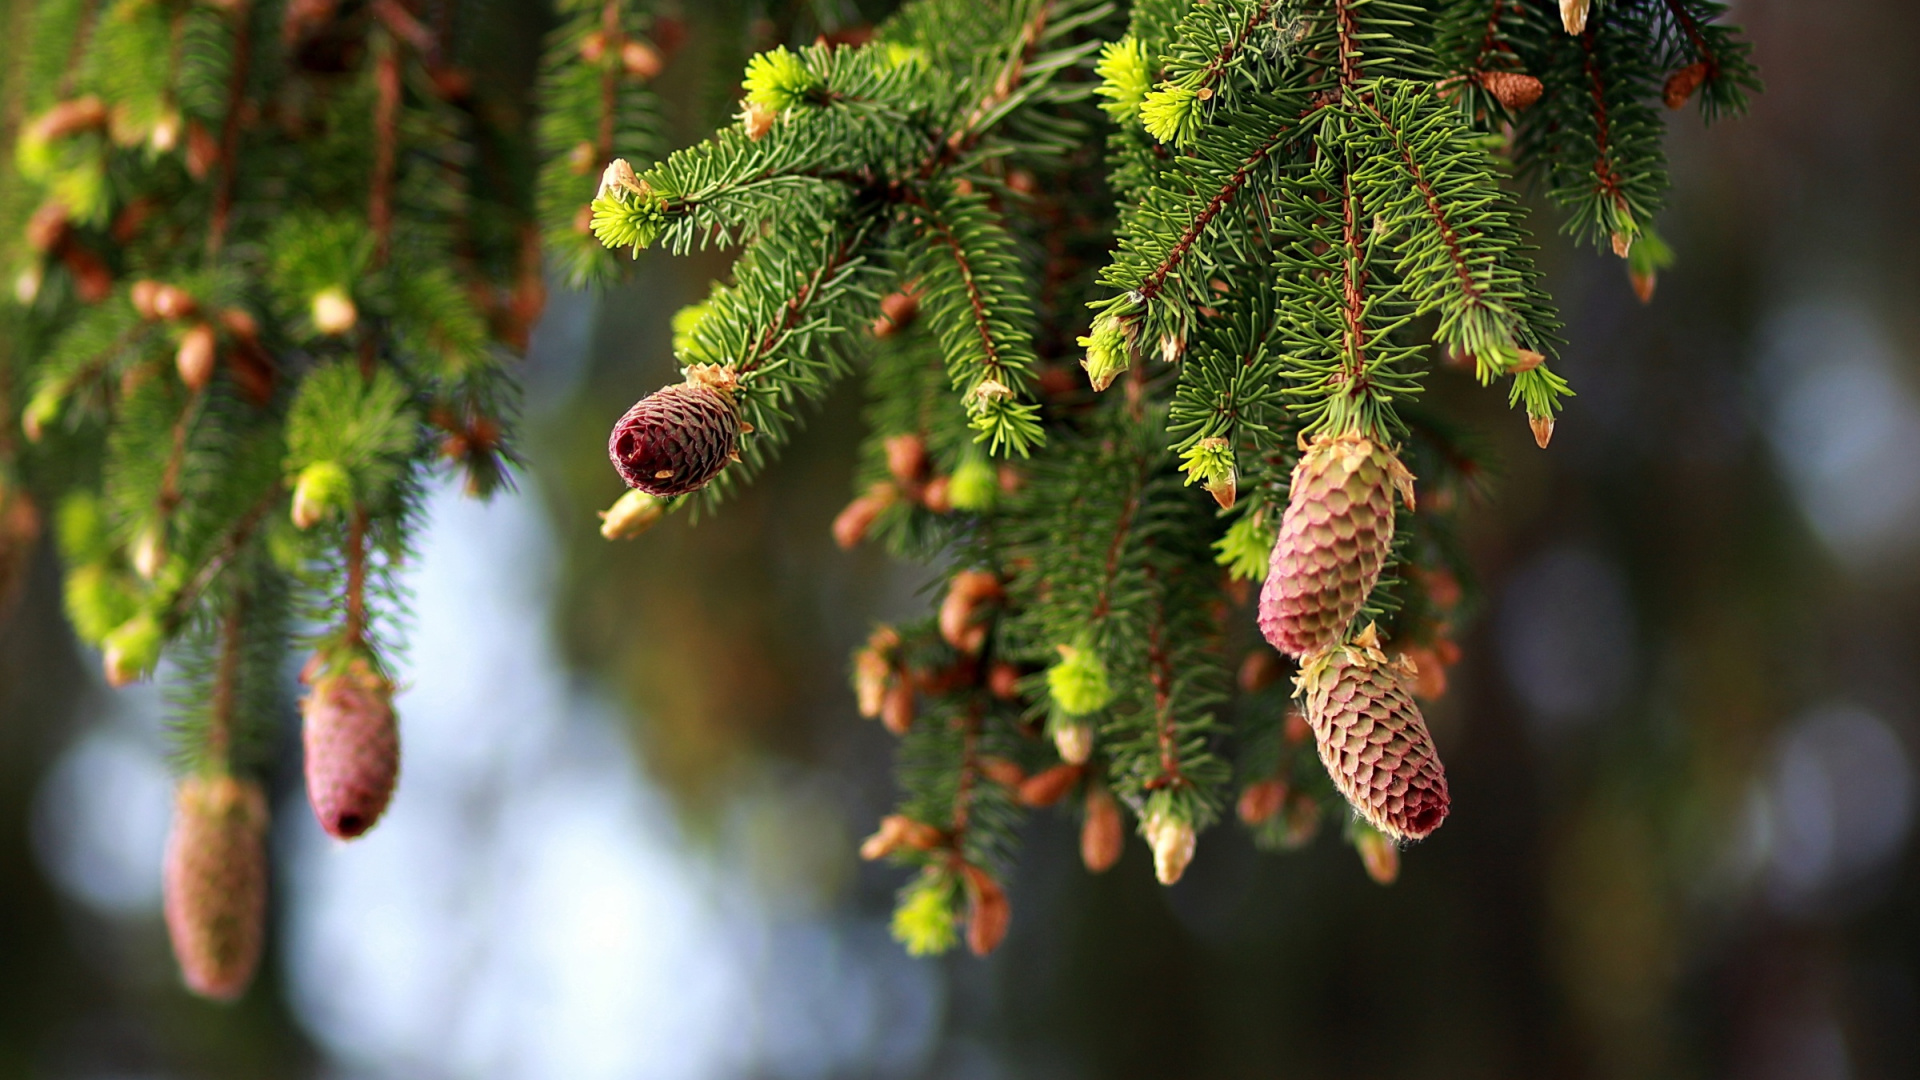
(214, 883)
(1333, 540)
(352, 748)
(1372, 738)
(676, 439)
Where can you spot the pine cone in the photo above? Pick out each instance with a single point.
(215, 883)
(1333, 539)
(1372, 738)
(678, 438)
(1681, 84)
(352, 748)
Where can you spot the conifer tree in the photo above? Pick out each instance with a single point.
(268, 264)
(1142, 295)
(1299, 208)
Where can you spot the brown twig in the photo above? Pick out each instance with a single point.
(230, 131)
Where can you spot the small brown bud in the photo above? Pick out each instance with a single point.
(757, 119)
(141, 295)
(1261, 800)
(173, 302)
(1681, 84)
(1622, 244)
(899, 831)
(871, 673)
(1050, 785)
(1512, 89)
(851, 524)
(240, 323)
(906, 457)
(1430, 675)
(70, 118)
(582, 158)
(1529, 360)
(1379, 855)
(1643, 282)
(897, 312)
(937, 496)
(195, 358)
(203, 150)
(1301, 822)
(1261, 669)
(1102, 835)
(47, 229)
(593, 47)
(641, 60)
(1003, 681)
(1007, 774)
(1542, 429)
(1295, 728)
(92, 279)
(896, 708)
(967, 594)
(988, 912)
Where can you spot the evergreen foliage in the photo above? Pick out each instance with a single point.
(268, 273)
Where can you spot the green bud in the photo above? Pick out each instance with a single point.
(323, 488)
(1078, 683)
(975, 483)
(778, 80)
(1125, 78)
(41, 410)
(1210, 462)
(686, 323)
(924, 918)
(1108, 351)
(82, 529)
(97, 601)
(132, 649)
(622, 219)
(1170, 114)
(1246, 549)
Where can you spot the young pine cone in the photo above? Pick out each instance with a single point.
(1333, 539)
(352, 748)
(1372, 738)
(1513, 89)
(678, 438)
(214, 883)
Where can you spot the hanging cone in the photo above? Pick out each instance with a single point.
(1513, 89)
(678, 438)
(1333, 540)
(1372, 738)
(352, 748)
(214, 883)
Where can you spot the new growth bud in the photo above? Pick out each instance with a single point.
(1172, 839)
(132, 649)
(323, 488)
(630, 515)
(1102, 835)
(333, 312)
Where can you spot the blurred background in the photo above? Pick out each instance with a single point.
(1683, 741)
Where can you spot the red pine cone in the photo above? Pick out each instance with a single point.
(675, 439)
(1333, 539)
(1102, 834)
(214, 883)
(352, 748)
(1372, 738)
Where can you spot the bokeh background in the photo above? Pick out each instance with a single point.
(1683, 742)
